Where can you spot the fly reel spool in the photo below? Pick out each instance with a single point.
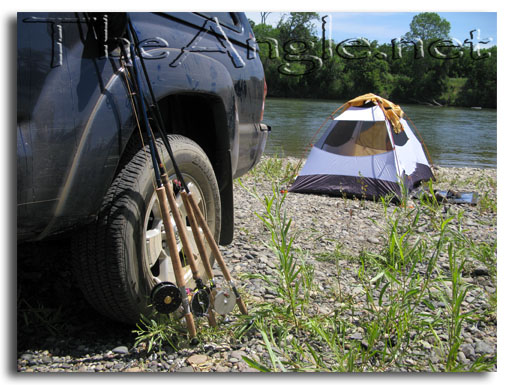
(166, 297)
(224, 301)
(200, 303)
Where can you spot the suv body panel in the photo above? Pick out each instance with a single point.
(75, 119)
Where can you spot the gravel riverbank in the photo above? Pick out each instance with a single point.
(59, 332)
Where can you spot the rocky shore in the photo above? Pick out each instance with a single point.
(53, 338)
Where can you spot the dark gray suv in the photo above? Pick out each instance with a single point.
(83, 165)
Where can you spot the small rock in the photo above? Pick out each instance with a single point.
(357, 290)
(134, 369)
(462, 358)
(269, 291)
(356, 336)
(46, 359)
(482, 347)
(186, 369)
(120, 350)
(426, 345)
(26, 356)
(249, 370)
(490, 289)
(222, 369)
(197, 359)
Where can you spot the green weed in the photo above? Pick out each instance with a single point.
(403, 288)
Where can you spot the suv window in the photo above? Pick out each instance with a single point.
(228, 19)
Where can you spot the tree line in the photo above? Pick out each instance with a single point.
(425, 66)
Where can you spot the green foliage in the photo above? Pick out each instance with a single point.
(409, 297)
(407, 314)
(275, 170)
(480, 88)
(156, 333)
(39, 316)
(304, 70)
(428, 26)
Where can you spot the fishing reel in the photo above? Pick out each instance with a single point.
(224, 301)
(166, 297)
(200, 302)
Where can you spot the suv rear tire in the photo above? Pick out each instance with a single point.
(117, 258)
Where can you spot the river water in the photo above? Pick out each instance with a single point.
(455, 137)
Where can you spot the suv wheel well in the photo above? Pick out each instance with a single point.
(203, 119)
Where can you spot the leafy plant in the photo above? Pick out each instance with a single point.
(155, 333)
(402, 285)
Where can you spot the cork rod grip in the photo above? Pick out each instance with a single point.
(175, 258)
(214, 247)
(210, 238)
(197, 235)
(181, 228)
(203, 254)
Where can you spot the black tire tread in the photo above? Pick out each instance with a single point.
(98, 250)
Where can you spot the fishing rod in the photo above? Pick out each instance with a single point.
(214, 248)
(226, 307)
(200, 302)
(201, 299)
(168, 226)
(188, 197)
(155, 110)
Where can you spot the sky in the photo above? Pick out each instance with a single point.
(385, 26)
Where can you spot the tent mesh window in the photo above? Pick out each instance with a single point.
(356, 138)
(400, 139)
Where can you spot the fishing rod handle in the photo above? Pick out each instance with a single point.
(175, 260)
(197, 236)
(190, 323)
(211, 317)
(181, 227)
(185, 242)
(239, 300)
(170, 238)
(210, 238)
(217, 254)
(242, 306)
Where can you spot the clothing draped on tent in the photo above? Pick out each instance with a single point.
(392, 112)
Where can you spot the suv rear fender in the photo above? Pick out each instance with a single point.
(111, 119)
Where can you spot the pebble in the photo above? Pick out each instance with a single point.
(327, 230)
(482, 347)
(222, 369)
(120, 350)
(186, 369)
(197, 359)
(468, 350)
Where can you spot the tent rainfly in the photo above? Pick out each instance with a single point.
(367, 151)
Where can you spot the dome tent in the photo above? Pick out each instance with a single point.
(367, 150)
